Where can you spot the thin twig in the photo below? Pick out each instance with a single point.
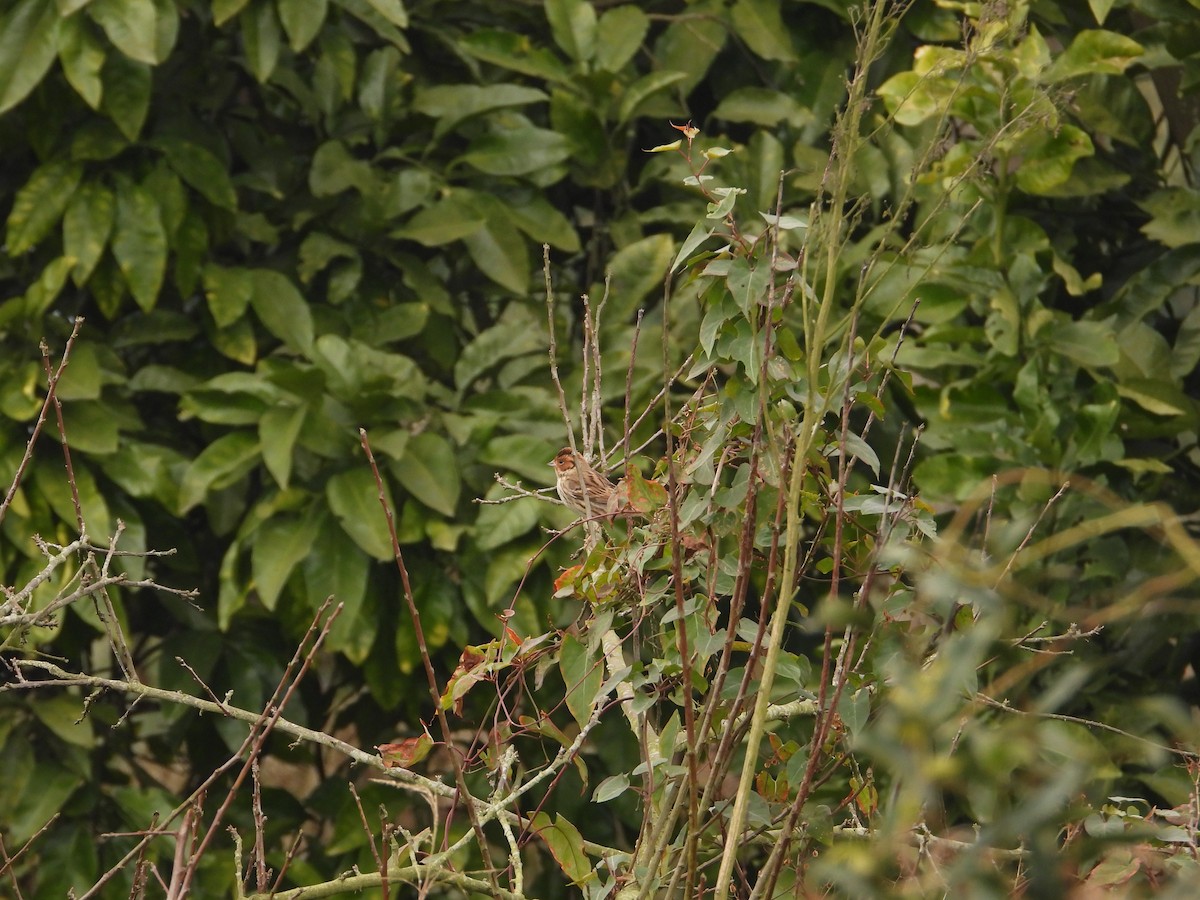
(1029, 534)
(1003, 706)
(435, 692)
(39, 424)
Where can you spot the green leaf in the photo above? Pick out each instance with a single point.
(610, 788)
(396, 323)
(42, 293)
(391, 10)
(1051, 157)
(691, 43)
(1149, 288)
(1185, 355)
(1155, 396)
(302, 20)
(762, 106)
(448, 220)
(139, 242)
(354, 499)
(700, 233)
(619, 34)
(87, 225)
(166, 28)
(262, 39)
(565, 844)
(29, 37)
(1086, 343)
(97, 140)
(318, 251)
(281, 308)
(218, 465)
(62, 715)
(82, 59)
(524, 454)
(501, 254)
(108, 286)
(498, 524)
(163, 379)
(760, 24)
(40, 798)
(280, 545)
(82, 379)
(236, 342)
(1100, 9)
(860, 449)
(132, 26)
(191, 248)
(855, 709)
(513, 51)
(429, 471)
(748, 285)
(337, 568)
(228, 293)
(516, 334)
(912, 98)
(200, 169)
(62, 500)
(168, 191)
(378, 83)
(573, 26)
(517, 151)
(277, 432)
(334, 170)
(1176, 216)
(1095, 52)
(953, 475)
(543, 223)
(353, 368)
(369, 14)
(643, 89)
(582, 674)
(637, 271)
(224, 10)
(40, 203)
(126, 94)
(92, 427)
(451, 104)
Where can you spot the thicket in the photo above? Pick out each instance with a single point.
(884, 314)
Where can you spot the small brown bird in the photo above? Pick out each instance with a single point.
(577, 479)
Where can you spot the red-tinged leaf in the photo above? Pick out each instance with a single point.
(457, 688)
(471, 657)
(566, 579)
(406, 753)
(644, 496)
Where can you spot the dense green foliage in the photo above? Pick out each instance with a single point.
(287, 220)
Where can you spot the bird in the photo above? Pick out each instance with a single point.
(582, 488)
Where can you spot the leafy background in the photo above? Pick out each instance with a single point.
(287, 220)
